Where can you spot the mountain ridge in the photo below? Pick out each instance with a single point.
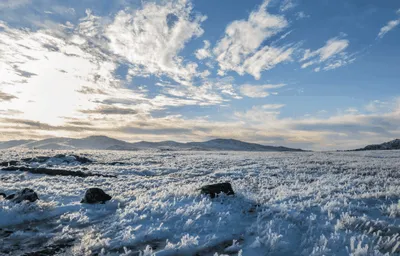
(107, 143)
(389, 145)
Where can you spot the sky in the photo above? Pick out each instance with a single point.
(317, 75)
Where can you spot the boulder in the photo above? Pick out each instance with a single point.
(9, 197)
(215, 189)
(26, 194)
(94, 196)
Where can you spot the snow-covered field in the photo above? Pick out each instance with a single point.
(332, 203)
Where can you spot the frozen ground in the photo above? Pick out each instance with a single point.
(341, 203)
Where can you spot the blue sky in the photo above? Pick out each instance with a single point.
(311, 74)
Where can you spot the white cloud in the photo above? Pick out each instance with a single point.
(239, 50)
(265, 59)
(332, 53)
(152, 37)
(272, 106)
(331, 48)
(351, 111)
(307, 64)
(389, 26)
(258, 91)
(204, 52)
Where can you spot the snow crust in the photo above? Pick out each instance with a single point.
(303, 203)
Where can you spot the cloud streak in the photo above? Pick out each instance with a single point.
(258, 91)
(6, 97)
(332, 55)
(389, 26)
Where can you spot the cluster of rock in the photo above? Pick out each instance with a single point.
(31, 165)
(97, 195)
(26, 194)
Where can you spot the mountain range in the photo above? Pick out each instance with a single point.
(107, 143)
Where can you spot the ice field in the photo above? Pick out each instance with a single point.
(303, 203)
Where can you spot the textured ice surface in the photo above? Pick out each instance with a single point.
(332, 203)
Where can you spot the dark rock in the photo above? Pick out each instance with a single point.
(26, 194)
(53, 249)
(3, 195)
(80, 159)
(65, 158)
(54, 172)
(9, 163)
(215, 189)
(9, 197)
(95, 195)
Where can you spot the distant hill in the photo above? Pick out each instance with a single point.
(236, 145)
(106, 143)
(13, 143)
(390, 145)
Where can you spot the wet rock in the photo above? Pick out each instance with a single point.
(95, 195)
(3, 195)
(215, 189)
(26, 194)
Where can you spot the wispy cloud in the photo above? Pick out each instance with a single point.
(332, 55)
(110, 110)
(258, 91)
(389, 26)
(6, 97)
